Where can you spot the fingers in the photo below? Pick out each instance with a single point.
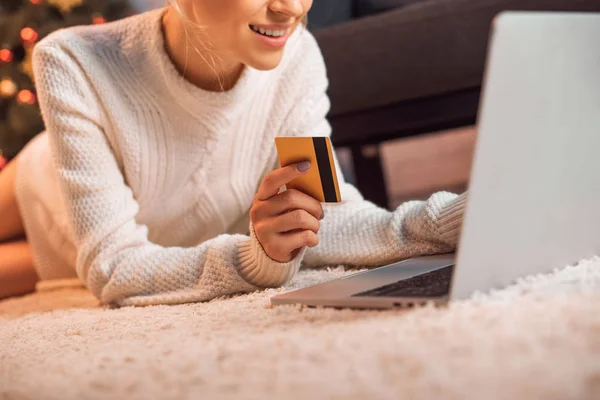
(281, 177)
(297, 240)
(288, 201)
(285, 222)
(282, 247)
(283, 235)
(295, 220)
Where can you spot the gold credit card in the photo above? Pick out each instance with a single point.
(320, 181)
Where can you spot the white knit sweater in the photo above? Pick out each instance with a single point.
(142, 183)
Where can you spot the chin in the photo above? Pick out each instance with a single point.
(265, 62)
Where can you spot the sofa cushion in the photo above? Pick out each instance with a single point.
(329, 12)
(429, 49)
(368, 7)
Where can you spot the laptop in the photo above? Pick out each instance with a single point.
(533, 203)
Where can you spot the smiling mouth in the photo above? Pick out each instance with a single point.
(274, 33)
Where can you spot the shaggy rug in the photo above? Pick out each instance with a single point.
(538, 339)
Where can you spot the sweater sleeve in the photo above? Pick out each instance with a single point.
(357, 232)
(115, 259)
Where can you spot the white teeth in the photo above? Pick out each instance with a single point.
(268, 32)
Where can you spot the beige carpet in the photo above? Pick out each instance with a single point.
(539, 339)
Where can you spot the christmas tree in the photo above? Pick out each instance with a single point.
(23, 23)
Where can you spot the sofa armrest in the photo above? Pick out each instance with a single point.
(329, 12)
(428, 49)
(369, 7)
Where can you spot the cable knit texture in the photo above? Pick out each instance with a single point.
(142, 184)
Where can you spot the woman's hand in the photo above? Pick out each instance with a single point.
(285, 222)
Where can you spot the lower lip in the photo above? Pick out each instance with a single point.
(273, 41)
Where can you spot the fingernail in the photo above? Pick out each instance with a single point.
(322, 216)
(303, 166)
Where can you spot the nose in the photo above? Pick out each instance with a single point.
(289, 8)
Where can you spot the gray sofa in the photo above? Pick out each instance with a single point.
(399, 68)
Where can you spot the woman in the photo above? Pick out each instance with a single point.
(157, 179)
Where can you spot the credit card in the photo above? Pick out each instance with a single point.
(321, 180)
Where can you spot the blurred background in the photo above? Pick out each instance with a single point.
(405, 79)
(23, 23)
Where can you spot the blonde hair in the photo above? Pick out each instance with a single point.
(175, 4)
(208, 56)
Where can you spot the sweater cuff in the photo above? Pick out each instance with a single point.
(450, 220)
(259, 269)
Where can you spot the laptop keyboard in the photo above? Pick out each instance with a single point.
(431, 284)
